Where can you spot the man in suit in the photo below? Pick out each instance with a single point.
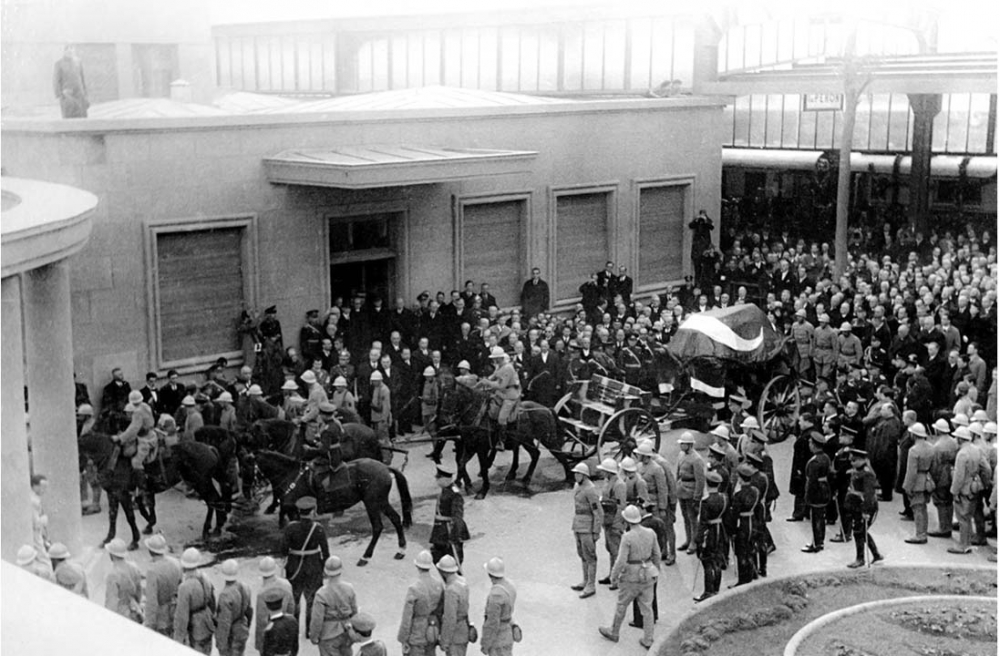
(488, 299)
(604, 278)
(310, 336)
(115, 394)
(545, 372)
(783, 278)
(535, 295)
(592, 292)
(621, 285)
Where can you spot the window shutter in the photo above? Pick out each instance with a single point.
(491, 247)
(201, 292)
(581, 240)
(661, 234)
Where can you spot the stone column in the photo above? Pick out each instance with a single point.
(49, 343)
(16, 516)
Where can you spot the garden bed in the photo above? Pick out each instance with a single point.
(762, 617)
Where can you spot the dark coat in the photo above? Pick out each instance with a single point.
(534, 297)
(800, 456)
(547, 378)
(818, 480)
(294, 539)
(281, 637)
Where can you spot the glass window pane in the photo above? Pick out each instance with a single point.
(742, 121)
(940, 138)
(979, 121)
(900, 123)
(958, 122)
(790, 121)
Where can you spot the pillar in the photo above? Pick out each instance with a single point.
(15, 520)
(707, 35)
(925, 107)
(49, 345)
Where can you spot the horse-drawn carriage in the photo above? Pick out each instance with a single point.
(713, 354)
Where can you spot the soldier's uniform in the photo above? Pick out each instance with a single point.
(73, 577)
(635, 572)
(455, 618)
(588, 518)
(762, 535)
(333, 607)
(861, 507)
(690, 487)
(970, 467)
(280, 636)
(449, 530)
(803, 335)
(123, 589)
(307, 549)
(613, 503)
(817, 493)
(163, 578)
(274, 587)
(710, 538)
(497, 637)
(656, 485)
(945, 452)
(636, 492)
(826, 350)
(194, 620)
(235, 612)
(841, 481)
(422, 608)
(918, 482)
(745, 502)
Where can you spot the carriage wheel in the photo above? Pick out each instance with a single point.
(778, 408)
(578, 441)
(623, 431)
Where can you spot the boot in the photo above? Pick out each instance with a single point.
(859, 552)
(580, 586)
(611, 633)
(590, 573)
(606, 580)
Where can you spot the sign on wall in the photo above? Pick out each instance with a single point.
(818, 102)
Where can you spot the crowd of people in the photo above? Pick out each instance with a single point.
(898, 355)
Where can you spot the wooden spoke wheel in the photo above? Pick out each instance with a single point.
(579, 440)
(623, 431)
(778, 408)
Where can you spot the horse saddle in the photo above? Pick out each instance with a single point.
(328, 480)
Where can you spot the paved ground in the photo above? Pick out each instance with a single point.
(529, 528)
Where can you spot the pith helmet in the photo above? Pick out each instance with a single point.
(608, 465)
(191, 558)
(447, 564)
(494, 567)
(424, 560)
(581, 468)
(230, 570)
(628, 465)
(333, 566)
(632, 515)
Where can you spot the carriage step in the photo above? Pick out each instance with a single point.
(603, 408)
(579, 425)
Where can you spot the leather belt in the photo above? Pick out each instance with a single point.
(688, 480)
(746, 514)
(307, 552)
(442, 518)
(639, 562)
(714, 521)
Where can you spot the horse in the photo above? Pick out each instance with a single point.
(369, 482)
(117, 478)
(202, 466)
(537, 423)
(356, 441)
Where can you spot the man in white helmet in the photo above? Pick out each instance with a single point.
(612, 503)
(381, 408)
(690, 487)
(635, 572)
(498, 624)
(588, 518)
(139, 430)
(507, 390)
(945, 451)
(342, 398)
(422, 609)
(455, 616)
(333, 608)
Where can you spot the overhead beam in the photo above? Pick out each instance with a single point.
(794, 82)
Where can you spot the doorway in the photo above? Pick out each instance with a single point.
(363, 254)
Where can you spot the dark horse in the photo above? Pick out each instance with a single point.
(356, 441)
(117, 479)
(367, 481)
(537, 423)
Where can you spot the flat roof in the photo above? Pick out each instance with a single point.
(391, 165)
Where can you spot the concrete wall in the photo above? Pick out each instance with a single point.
(184, 169)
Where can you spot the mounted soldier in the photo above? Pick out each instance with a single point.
(506, 392)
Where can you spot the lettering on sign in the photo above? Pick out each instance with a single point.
(817, 102)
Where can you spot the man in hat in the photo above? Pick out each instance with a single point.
(234, 614)
(506, 390)
(293, 405)
(280, 635)
(342, 399)
(817, 491)
(804, 337)
(861, 506)
(380, 404)
(882, 442)
(738, 404)
(194, 619)
(918, 481)
(163, 578)
(588, 518)
(334, 607)
(316, 396)
(970, 477)
(800, 456)
(27, 559)
(497, 638)
(68, 574)
(850, 350)
(123, 585)
(430, 395)
(945, 451)
(650, 521)
(70, 85)
(745, 441)
(306, 549)
(723, 436)
(310, 336)
(455, 614)
(612, 505)
(138, 438)
(690, 486)
(115, 394)
(841, 482)
(656, 479)
(421, 609)
(449, 530)
(635, 573)
(763, 542)
(710, 538)
(360, 630)
(635, 488)
(193, 419)
(745, 502)
(272, 586)
(227, 413)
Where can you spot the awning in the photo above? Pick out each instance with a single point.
(366, 167)
(942, 166)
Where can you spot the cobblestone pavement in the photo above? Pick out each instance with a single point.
(529, 528)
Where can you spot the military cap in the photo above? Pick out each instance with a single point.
(327, 407)
(201, 398)
(717, 450)
(713, 478)
(858, 453)
(274, 598)
(423, 296)
(306, 503)
(819, 438)
(364, 623)
(759, 436)
(442, 473)
(273, 309)
(745, 471)
(754, 457)
(312, 313)
(739, 398)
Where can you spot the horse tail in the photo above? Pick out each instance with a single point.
(404, 497)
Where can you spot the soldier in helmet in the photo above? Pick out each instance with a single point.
(588, 518)
(67, 573)
(497, 637)
(635, 572)
(194, 619)
(163, 578)
(612, 505)
(361, 629)
(234, 613)
(918, 482)
(422, 609)
(449, 530)
(272, 586)
(507, 389)
(381, 409)
(710, 538)
(690, 486)
(334, 606)
(430, 397)
(636, 493)
(455, 614)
